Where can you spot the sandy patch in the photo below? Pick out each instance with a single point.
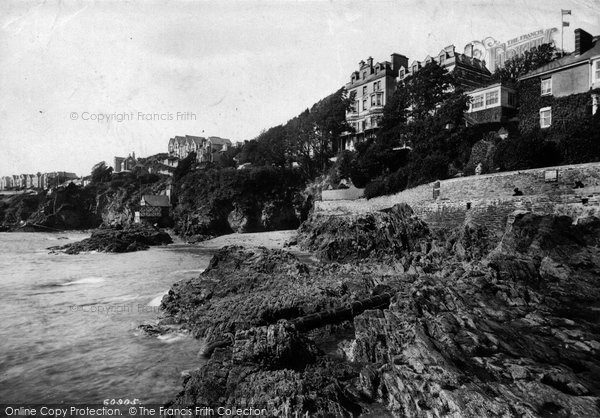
(271, 239)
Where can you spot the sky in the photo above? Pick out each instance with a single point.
(83, 81)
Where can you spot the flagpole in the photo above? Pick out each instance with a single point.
(562, 33)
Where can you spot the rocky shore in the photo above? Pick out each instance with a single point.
(117, 241)
(422, 324)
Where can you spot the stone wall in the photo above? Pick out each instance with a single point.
(488, 199)
(342, 194)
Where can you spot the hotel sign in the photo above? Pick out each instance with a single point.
(495, 53)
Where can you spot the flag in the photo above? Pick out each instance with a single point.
(565, 24)
(565, 12)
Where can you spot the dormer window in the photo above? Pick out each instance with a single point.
(442, 58)
(364, 75)
(401, 73)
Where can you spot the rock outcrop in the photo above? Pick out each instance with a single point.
(70, 207)
(117, 241)
(447, 325)
(393, 232)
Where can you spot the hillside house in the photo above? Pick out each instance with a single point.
(154, 209)
(563, 90)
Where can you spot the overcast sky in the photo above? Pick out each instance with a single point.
(239, 67)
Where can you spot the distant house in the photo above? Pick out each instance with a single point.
(181, 146)
(563, 90)
(6, 183)
(171, 162)
(213, 148)
(124, 164)
(371, 86)
(153, 209)
(493, 103)
(468, 72)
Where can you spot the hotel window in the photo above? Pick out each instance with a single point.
(364, 104)
(512, 99)
(373, 100)
(547, 87)
(401, 73)
(364, 90)
(364, 74)
(379, 99)
(545, 117)
(596, 71)
(477, 102)
(491, 98)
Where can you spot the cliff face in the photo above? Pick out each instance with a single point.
(71, 207)
(440, 326)
(214, 202)
(393, 232)
(75, 207)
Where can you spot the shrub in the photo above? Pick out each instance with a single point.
(529, 151)
(376, 187)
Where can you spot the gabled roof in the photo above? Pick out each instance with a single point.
(156, 200)
(219, 141)
(198, 140)
(566, 61)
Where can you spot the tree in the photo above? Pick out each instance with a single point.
(101, 173)
(184, 166)
(426, 89)
(522, 64)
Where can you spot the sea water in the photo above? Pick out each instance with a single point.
(68, 323)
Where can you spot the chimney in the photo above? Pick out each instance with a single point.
(398, 61)
(370, 61)
(361, 63)
(583, 41)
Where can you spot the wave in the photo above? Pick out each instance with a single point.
(188, 271)
(157, 300)
(172, 337)
(86, 280)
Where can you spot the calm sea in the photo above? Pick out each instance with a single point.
(68, 323)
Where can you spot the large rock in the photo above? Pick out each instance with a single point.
(444, 326)
(515, 335)
(278, 215)
(244, 288)
(274, 346)
(117, 241)
(392, 232)
(238, 221)
(272, 367)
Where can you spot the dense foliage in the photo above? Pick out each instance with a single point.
(526, 62)
(211, 195)
(101, 172)
(308, 139)
(424, 113)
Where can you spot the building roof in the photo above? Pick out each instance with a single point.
(566, 61)
(183, 139)
(219, 141)
(491, 86)
(156, 200)
(198, 140)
